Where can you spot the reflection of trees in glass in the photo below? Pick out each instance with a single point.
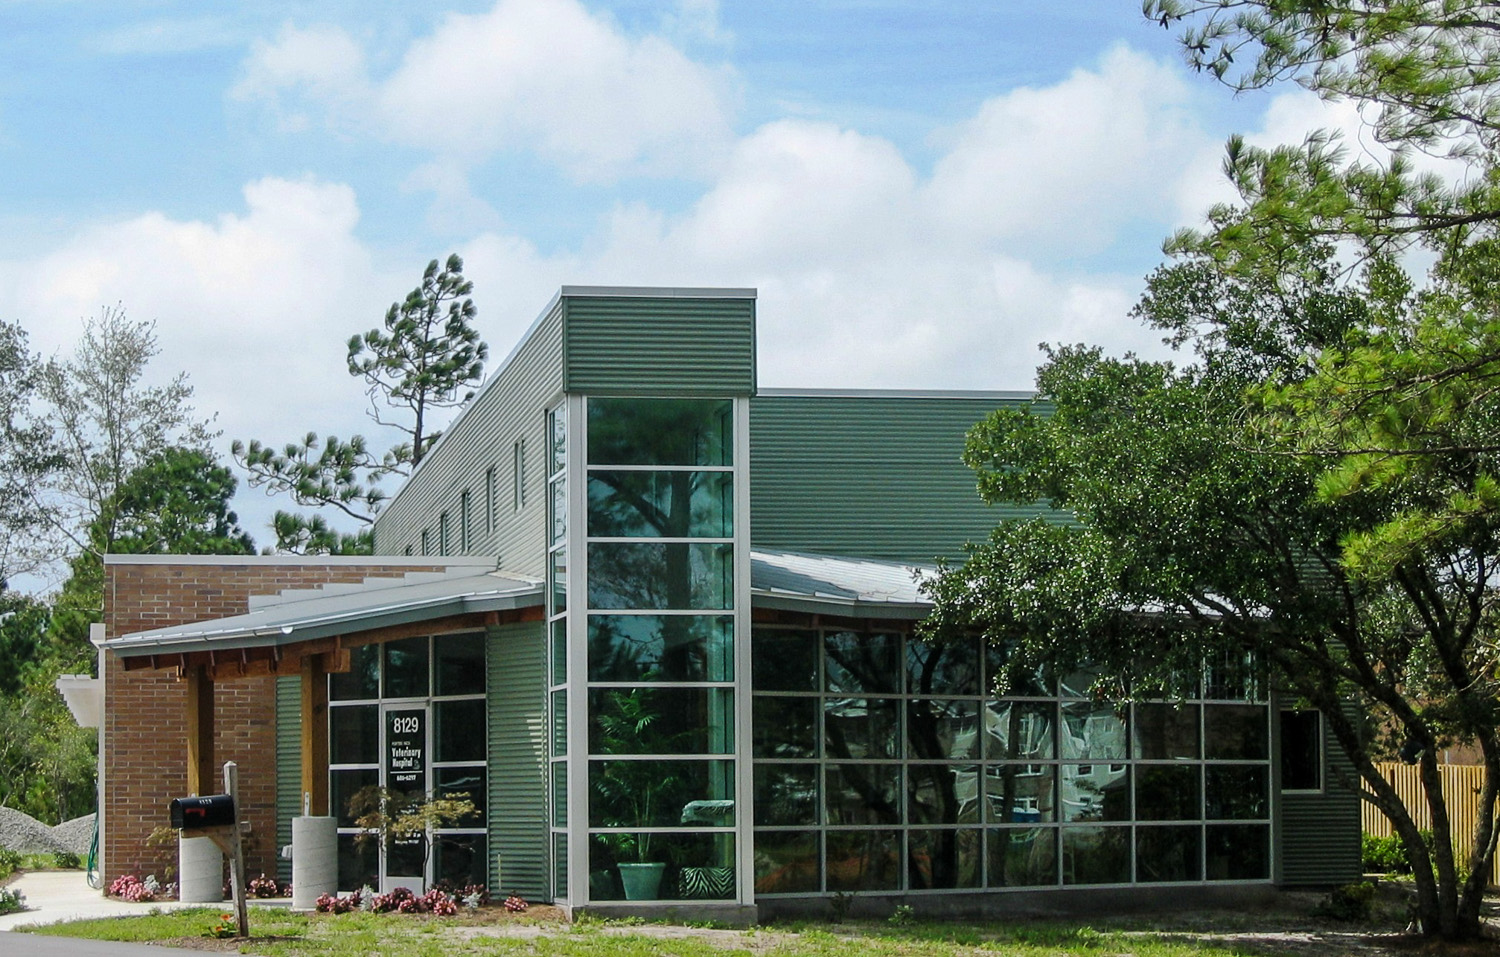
(638, 431)
(862, 661)
(660, 648)
(666, 575)
(660, 504)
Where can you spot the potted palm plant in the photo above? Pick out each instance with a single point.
(635, 794)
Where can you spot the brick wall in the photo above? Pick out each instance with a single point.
(145, 762)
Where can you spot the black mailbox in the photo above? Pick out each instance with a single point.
(212, 810)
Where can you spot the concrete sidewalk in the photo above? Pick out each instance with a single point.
(54, 896)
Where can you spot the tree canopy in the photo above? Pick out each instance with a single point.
(424, 359)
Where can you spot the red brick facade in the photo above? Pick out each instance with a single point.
(144, 747)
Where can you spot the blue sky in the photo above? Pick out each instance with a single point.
(922, 192)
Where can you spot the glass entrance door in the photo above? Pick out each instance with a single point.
(406, 761)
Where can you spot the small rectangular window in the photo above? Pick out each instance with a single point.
(463, 522)
(408, 550)
(489, 499)
(426, 542)
(443, 535)
(1301, 751)
(518, 477)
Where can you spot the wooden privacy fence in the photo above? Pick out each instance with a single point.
(1461, 783)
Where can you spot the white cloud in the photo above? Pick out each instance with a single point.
(545, 76)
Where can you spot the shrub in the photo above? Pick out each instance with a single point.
(331, 904)
(11, 900)
(1352, 902)
(9, 862)
(263, 887)
(515, 903)
(1383, 855)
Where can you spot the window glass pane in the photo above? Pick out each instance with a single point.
(1167, 792)
(1079, 683)
(1094, 792)
(559, 794)
(784, 660)
(943, 794)
(560, 651)
(942, 669)
(638, 431)
(559, 576)
(786, 862)
(942, 730)
(362, 680)
(1021, 793)
(1023, 857)
(1236, 792)
(1238, 852)
(861, 661)
(864, 860)
(460, 730)
(639, 504)
(646, 720)
(459, 667)
(785, 727)
(861, 728)
(1235, 732)
(1020, 731)
(1234, 676)
(560, 865)
(786, 795)
(1019, 681)
(559, 510)
(354, 734)
(660, 575)
(1165, 731)
(559, 723)
(661, 867)
(458, 783)
(1301, 751)
(459, 858)
(863, 794)
(406, 668)
(661, 648)
(658, 793)
(944, 859)
(557, 440)
(342, 786)
(1168, 854)
(1092, 730)
(1096, 855)
(359, 863)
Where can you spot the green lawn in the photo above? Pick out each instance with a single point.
(276, 933)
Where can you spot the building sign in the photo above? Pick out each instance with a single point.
(406, 750)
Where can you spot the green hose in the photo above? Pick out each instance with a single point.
(92, 867)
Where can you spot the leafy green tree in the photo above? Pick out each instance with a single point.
(29, 457)
(1190, 531)
(425, 359)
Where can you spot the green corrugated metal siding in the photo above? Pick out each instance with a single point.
(1320, 833)
(514, 659)
(874, 476)
(288, 765)
(655, 346)
(510, 407)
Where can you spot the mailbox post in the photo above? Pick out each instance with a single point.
(216, 817)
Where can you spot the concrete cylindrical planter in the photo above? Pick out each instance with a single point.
(200, 871)
(315, 860)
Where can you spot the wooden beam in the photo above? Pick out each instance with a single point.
(315, 734)
(199, 728)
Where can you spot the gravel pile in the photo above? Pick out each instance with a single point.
(76, 835)
(26, 835)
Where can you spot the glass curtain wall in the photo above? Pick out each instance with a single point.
(444, 675)
(881, 764)
(657, 671)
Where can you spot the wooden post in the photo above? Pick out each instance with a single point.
(199, 727)
(314, 736)
(237, 848)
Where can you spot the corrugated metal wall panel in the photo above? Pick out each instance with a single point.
(1320, 832)
(288, 765)
(682, 346)
(511, 407)
(874, 476)
(515, 660)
